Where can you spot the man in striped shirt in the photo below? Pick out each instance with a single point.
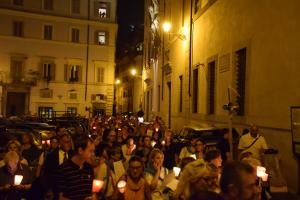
(75, 177)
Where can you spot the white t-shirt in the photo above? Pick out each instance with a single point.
(256, 149)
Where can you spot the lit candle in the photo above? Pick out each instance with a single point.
(97, 185)
(18, 179)
(153, 143)
(156, 129)
(48, 142)
(43, 142)
(260, 171)
(121, 186)
(163, 142)
(176, 171)
(265, 177)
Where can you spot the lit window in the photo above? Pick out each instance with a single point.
(46, 112)
(101, 39)
(74, 77)
(72, 110)
(75, 35)
(48, 32)
(18, 29)
(102, 9)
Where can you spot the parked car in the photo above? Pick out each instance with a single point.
(210, 136)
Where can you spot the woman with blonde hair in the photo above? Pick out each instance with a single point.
(155, 174)
(14, 145)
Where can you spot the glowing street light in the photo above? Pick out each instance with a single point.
(167, 26)
(118, 82)
(133, 72)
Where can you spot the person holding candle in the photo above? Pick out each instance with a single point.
(134, 186)
(169, 149)
(9, 187)
(238, 182)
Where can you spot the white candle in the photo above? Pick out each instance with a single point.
(18, 179)
(265, 177)
(260, 171)
(121, 186)
(97, 185)
(153, 143)
(176, 170)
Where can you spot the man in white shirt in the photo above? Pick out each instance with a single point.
(253, 142)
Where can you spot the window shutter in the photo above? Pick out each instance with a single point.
(80, 74)
(41, 70)
(66, 74)
(52, 72)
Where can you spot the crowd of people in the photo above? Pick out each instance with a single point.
(131, 160)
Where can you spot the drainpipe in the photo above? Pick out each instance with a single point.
(87, 52)
(190, 47)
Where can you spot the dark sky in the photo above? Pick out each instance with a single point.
(130, 17)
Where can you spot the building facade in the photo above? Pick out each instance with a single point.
(221, 51)
(57, 56)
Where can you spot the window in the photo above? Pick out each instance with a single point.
(76, 6)
(18, 2)
(72, 110)
(74, 73)
(46, 112)
(102, 9)
(101, 37)
(180, 93)
(100, 75)
(48, 71)
(48, 32)
(195, 90)
(75, 35)
(18, 29)
(240, 79)
(48, 4)
(211, 87)
(16, 70)
(99, 97)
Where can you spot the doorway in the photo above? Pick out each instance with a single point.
(15, 104)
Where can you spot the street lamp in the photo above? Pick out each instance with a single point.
(118, 81)
(133, 72)
(167, 27)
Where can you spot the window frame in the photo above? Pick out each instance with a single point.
(45, 32)
(18, 28)
(75, 35)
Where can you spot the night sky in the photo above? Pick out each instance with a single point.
(130, 17)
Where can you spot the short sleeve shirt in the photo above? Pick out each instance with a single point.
(256, 148)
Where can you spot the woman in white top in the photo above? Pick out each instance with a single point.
(155, 174)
